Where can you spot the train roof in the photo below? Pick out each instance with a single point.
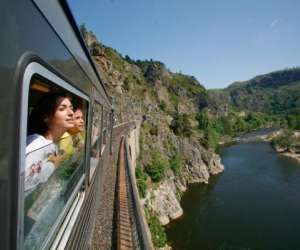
(60, 17)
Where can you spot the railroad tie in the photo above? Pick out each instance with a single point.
(124, 224)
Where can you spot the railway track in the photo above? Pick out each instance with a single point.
(119, 223)
(124, 221)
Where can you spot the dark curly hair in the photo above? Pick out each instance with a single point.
(43, 111)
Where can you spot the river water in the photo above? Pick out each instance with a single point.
(253, 204)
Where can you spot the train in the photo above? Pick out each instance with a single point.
(49, 193)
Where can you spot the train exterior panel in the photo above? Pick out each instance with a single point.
(43, 33)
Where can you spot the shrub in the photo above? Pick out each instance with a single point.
(179, 194)
(293, 121)
(181, 125)
(285, 140)
(203, 120)
(163, 105)
(158, 234)
(223, 126)
(176, 163)
(211, 139)
(156, 169)
(141, 179)
(240, 125)
(141, 144)
(153, 130)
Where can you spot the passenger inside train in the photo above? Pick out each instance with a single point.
(73, 139)
(49, 120)
(55, 155)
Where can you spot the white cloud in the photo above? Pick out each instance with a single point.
(274, 25)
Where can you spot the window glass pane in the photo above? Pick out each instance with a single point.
(104, 130)
(96, 138)
(54, 160)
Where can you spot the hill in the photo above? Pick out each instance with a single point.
(173, 150)
(276, 92)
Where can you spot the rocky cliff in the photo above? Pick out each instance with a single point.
(172, 154)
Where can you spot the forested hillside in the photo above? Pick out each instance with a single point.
(277, 92)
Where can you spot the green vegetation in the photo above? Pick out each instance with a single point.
(83, 30)
(174, 99)
(203, 120)
(285, 140)
(189, 83)
(157, 167)
(181, 125)
(153, 130)
(158, 234)
(150, 128)
(276, 93)
(141, 144)
(116, 58)
(176, 163)
(211, 138)
(141, 179)
(293, 121)
(163, 105)
(68, 164)
(232, 125)
(179, 194)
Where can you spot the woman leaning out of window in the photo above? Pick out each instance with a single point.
(49, 120)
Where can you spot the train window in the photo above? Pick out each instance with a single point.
(109, 126)
(104, 129)
(54, 156)
(95, 138)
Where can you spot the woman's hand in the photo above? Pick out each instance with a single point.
(55, 159)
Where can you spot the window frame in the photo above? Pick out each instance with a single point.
(92, 175)
(105, 120)
(35, 68)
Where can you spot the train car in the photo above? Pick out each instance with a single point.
(49, 171)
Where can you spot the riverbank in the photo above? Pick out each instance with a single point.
(292, 155)
(266, 135)
(240, 208)
(283, 152)
(290, 150)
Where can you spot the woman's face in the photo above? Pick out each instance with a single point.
(62, 120)
(78, 120)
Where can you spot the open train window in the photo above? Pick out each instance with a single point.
(95, 138)
(53, 144)
(105, 128)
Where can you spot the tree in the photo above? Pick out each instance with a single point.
(240, 125)
(181, 125)
(211, 138)
(203, 120)
(157, 167)
(284, 141)
(293, 121)
(83, 30)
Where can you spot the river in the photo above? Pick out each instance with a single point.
(253, 204)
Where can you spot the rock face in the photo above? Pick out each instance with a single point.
(163, 201)
(199, 164)
(166, 104)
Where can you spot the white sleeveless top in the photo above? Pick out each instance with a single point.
(38, 150)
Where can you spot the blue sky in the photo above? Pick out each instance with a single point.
(218, 42)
